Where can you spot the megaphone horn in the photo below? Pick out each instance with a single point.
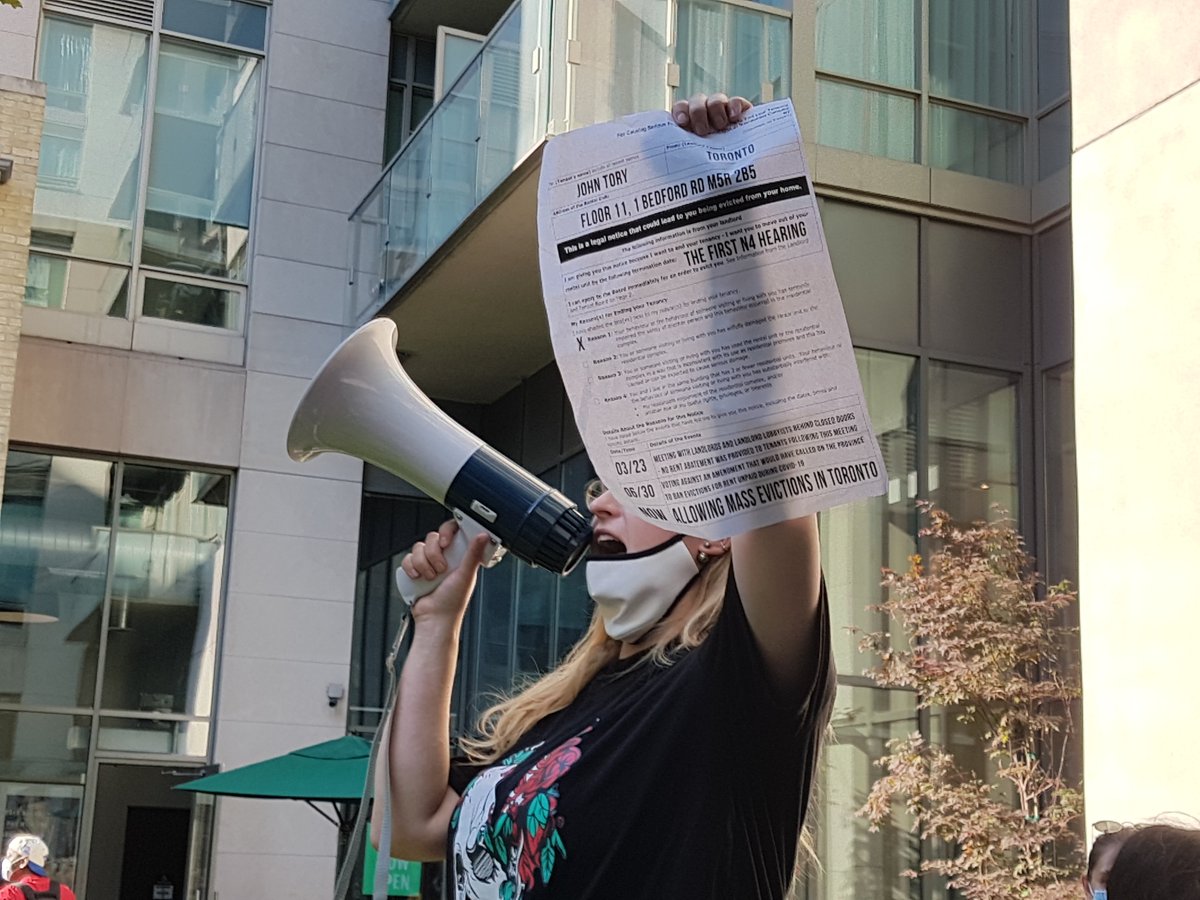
(362, 403)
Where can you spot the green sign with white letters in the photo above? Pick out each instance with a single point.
(404, 877)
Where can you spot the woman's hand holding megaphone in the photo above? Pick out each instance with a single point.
(454, 572)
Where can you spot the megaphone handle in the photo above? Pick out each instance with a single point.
(413, 589)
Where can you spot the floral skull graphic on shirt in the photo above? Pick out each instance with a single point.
(499, 856)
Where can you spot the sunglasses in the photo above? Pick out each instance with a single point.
(592, 491)
(1109, 826)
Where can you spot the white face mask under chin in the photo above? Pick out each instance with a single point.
(6, 870)
(634, 591)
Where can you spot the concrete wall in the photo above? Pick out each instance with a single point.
(1136, 186)
(22, 105)
(290, 602)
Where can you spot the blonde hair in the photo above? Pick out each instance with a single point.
(502, 725)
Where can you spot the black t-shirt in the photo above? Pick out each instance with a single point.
(687, 781)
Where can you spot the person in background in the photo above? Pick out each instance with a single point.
(1156, 862)
(1100, 860)
(25, 869)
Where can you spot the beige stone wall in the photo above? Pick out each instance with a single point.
(22, 104)
(1135, 192)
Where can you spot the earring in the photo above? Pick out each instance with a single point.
(703, 558)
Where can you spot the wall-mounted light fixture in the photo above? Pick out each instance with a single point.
(6, 167)
(334, 693)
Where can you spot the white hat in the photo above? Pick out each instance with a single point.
(28, 850)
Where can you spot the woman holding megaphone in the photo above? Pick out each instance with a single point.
(673, 751)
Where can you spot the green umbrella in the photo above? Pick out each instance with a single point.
(334, 771)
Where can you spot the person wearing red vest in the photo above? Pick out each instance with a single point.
(25, 870)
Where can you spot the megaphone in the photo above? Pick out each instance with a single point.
(362, 403)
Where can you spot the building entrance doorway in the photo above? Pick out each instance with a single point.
(145, 836)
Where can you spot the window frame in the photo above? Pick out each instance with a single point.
(925, 98)
(188, 339)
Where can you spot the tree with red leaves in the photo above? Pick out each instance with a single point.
(982, 643)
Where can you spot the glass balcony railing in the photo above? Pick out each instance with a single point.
(609, 58)
(485, 124)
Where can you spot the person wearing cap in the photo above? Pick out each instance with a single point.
(25, 870)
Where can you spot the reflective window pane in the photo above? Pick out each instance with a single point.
(54, 282)
(53, 564)
(425, 61)
(398, 57)
(972, 441)
(166, 583)
(574, 603)
(976, 144)
(858, 539)
(493, 608)
(152, 736)
(43, 758)
(536, 597)
(866, 121)
(1054, 141)
(196, 304)
(458, 51)
(393, 129)
(875, 40)
(1054, 49)
(95, 79)
(230, 22)
(978, 51)
(1062, 507)
(854, 862)
(722, 47)
(42, 747)
(202, 161)
(422, 106)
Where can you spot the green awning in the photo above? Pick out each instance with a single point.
(333, 771)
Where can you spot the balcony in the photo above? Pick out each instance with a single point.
(448, 235)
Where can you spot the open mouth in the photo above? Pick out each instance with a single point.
(606, 545)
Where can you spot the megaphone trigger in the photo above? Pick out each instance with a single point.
(413, 589)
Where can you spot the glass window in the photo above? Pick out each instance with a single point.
(574, 603)
(43, 758)
(858, 539)
(976, 144)
(978, 51)
(1062, 507)
(166, 584)
(1054, 51)
(394, 131)
(723, 47)
(53, 565)
(972, 441)
(230, 21)
(854, 862)
(494, 611)
(152, 736)
(95, 79)
(458, 51)
(875, 40)
(55, 282)
(422, 106)
(192, 302)
(424, 61)
(201, 161)
(536, 596)
(1054, 141)
(867, 121)
(410, 100)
